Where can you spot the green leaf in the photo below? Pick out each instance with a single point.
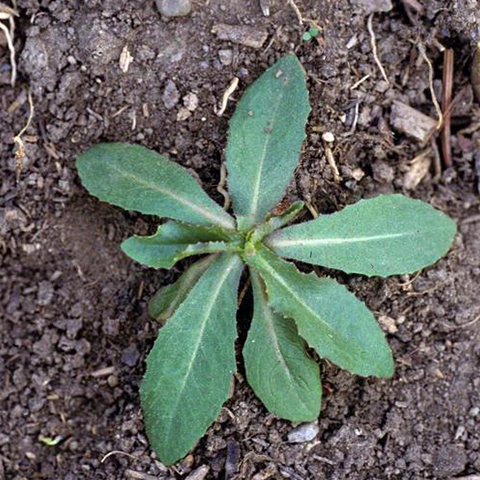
(386, 235)
(278, 369)
(190, 367)
(174, 241)
(136, 178)
(166, 301)
(277, 221)
(333, 322)
(265, 136)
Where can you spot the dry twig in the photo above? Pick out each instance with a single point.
(228, 92)
(447, 87)
(221, 187)
(20, 153)
(7, 13)
(374, 47)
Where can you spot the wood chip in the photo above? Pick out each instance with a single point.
(248, 36)
(407, 120)
(419, 167)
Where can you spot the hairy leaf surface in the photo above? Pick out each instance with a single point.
(136, 178)
(333, 322)
(174, 241)
(264, 140)
(192, 361)
(166, 301)
(386, 235)
(278, 369)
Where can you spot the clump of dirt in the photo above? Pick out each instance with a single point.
(73, 321)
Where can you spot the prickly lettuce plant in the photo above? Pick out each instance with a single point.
(190, 367)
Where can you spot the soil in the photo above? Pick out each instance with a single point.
(74, 327)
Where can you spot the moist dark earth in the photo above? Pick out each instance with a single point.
(74, 329)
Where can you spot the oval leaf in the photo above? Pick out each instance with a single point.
(278, 369)
(190, 366)
(333, 322)
(166, 301)
(386, 235)
(136, 178)
(174, 241)
(264, 140)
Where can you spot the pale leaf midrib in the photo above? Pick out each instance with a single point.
(208, 214)
(205, 318)
(280, 280)
(274, 338)
(278, 242)
(258, 180)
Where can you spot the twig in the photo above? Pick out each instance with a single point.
(117, 452)
(296, 10)
(421, 49)
(228, 92)
(374, 47)
(7, 13)
(221, 185)
(20, 153)
(357, 84)
(446, 101)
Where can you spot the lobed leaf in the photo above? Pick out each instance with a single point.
(190, 366)
(386, 235)
(174, 241)
(264, 140)
(136, 178)
(278, 369)
(166, 301)
(333, 322)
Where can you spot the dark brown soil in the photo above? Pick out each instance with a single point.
(73, 324)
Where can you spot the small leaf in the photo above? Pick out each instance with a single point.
(264, 140)
(275, 222)
(333, 322)
(278, 369)
(166, 301)
(190, 367)
(386, 235)
(174, 241)
(136, 178)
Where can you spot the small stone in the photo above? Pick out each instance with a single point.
(328, 137)
(226, 57)
(243, 35)
(170, 95)
(112, 381)
(174, 8)
(183, 114)
(130, 356)
(449, 460)
(190, 101)
(199, 474)
(373, 6)
(407, 120)
(382, 172)
(358, 174)
(303, 433)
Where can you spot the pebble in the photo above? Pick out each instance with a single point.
(226, 57)
(248, 36)
(183, 114)
(373, 6)
(199, 474)
(174, 8)
(190, 100)
(303, 433)
(130, 356)
(170, 95)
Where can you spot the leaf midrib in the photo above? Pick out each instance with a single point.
(208, 214)
(276, 242)
(258, 179)
(280, 280)
(208, 311)
(274, 338)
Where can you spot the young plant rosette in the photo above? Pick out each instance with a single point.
(190, 367)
